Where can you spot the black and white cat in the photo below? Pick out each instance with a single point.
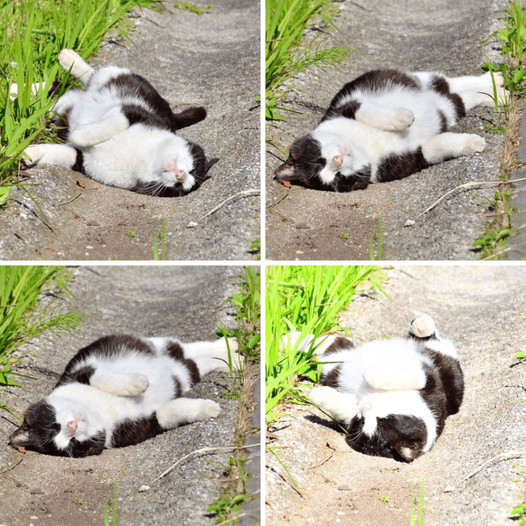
(121, 132)
(121, 390)
(386, 125)
(393, 396)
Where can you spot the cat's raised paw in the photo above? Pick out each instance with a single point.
(208, 409)
(137, 385)
(423, 326)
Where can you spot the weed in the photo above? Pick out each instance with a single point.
(344, 236)
(520, 511)
(285, 50)
(385, 499)
(376, 238)
(160, 236)
(113, 503)
(192, 8)
(419, 502)
(79, 502)
(255, 248)
(131, 233)
(25, 313)
(307, 299)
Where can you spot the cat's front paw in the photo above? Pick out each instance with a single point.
(321, 396)
(402, 120)
(137, 385)
(423, 326)
(474, 144)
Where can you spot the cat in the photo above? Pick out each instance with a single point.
(393, 396)
(119, 131)
(121, 390)
(387, 125)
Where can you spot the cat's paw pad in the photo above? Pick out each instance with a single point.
(423, 326)
(474, 144)
(208, 409)
(402, 120)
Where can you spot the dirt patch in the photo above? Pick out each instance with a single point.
(306, 224)
(143, 301)
(210, 60)
(482, 310)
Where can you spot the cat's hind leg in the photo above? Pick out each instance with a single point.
(451, 145)
(341, 406)
(403, 377)
(55, 154)
(71, 61)
(479, 90)
(185, 411)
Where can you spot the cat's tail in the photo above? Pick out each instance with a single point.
(189, 117)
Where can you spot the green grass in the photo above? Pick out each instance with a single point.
(417, 505)
(246, 303)
(512, 40)
(113, 503)
(192, 8)
(30, 306)
(160, 236)
(286, 52)
(307, 299)
(32, 32)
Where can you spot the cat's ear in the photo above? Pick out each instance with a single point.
(20, 438)
(189, 117)
(209, 163)
(286, 171)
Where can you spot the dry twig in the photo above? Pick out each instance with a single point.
(244, 193)
(497, 458)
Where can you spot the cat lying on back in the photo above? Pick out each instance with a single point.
(121, 390)
(121, 132)
(392, 396)
(386, 125)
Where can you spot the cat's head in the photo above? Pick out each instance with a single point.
(57, 429)
(401, 437)
(323, 161)
(179, 168)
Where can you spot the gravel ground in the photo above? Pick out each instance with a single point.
(482, 309)
(443, 35)
(210, 60)
(151, 301)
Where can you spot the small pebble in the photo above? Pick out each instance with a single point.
(299, 251)
(449, 489)
(89, 247)
(144, 488)
(192, 224)
(409, 222)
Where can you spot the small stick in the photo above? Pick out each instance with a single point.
(465, 187)
(502, 456)
(244, 193)
(203, 450)
(70, 200)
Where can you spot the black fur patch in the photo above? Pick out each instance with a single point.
(79, 162)
(332, 378)
(82, 376)
(175, 351)
(371, 81)
(443, 122)
(131, 432)
(106, 346)
(440, 85)
(340, 343)
(400, 437)
(399, 166)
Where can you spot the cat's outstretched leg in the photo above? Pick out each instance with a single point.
(213, 356)
(185, 411)
(423, 328)
(479, 91)
(71, 61)
(341, 406)
(451, 145)
(55, 154)
(402, 377)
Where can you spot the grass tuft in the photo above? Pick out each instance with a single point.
(306, 299)
(286, 52)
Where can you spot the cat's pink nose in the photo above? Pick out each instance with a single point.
(73, 425)
(180, 175)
